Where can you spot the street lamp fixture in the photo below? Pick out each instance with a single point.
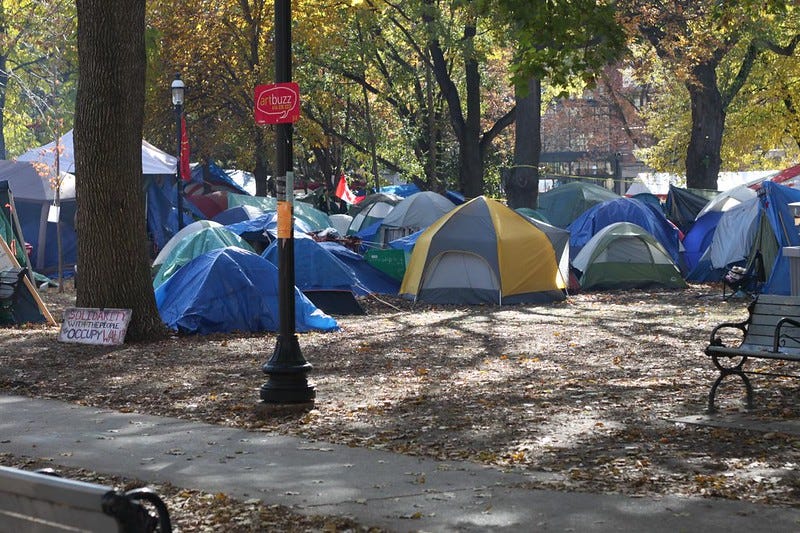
(178, 88)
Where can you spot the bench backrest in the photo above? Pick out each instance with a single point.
(767, 310)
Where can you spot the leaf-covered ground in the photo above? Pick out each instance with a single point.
(584, 393)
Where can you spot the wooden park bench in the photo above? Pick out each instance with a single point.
(771, 331)
(39, 501)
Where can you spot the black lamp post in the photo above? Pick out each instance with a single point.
(178, 89)
(287, 369)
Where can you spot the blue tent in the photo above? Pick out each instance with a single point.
(698, 239)
(238, 213)
(367, 278)
(407, 189)
(323, 278)
(642, 214)
(231, 289)
(775, 202)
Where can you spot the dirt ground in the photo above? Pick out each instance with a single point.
(583, 392)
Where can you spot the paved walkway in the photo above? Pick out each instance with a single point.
(397, 492)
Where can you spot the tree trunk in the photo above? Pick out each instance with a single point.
(521, 182)
(703, 159)
(109, 111)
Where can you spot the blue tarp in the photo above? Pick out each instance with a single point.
(239, 213)
(406, 243)
(268, 222)
(216, 178)
(648, 217)
(231, 289)
(407, 189)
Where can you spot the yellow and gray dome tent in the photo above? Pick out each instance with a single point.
(624, 255)
(483, 252)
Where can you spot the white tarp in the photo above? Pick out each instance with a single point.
(154, 161)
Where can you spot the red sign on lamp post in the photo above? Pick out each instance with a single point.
(277, 103)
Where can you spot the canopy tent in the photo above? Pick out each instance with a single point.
(414, 213)
(563, 204)
(624, 256)
(484, 252)
(34, 193)
(322, 277)
(231, 289)
(158, 170)
(154, 161)
(195, 244)
(645, 215)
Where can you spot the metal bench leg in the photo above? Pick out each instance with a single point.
(727, 372)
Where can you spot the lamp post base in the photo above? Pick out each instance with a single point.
(287, 371)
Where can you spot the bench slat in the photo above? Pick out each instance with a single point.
(29, 514)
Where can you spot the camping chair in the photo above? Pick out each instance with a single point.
(10, 283)
(745, 280)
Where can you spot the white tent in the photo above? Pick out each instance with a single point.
(154, 161)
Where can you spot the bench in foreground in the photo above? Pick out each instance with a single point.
(36, 501)
(771, 331)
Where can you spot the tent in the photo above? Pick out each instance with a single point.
(194, 244)
(683, 205)
(697, 241)
(414, 213)
(728, 199)
(532, 213)
(563, 204)
(158, 170)
(322, 277)
(624, 256)
(371, 209)
(240, 213)
(231, 289)
(154, 161)
(314, 219)
(33, 196)
(367, 278)
(483, 252)
(645, 215)
(197, 225)
(340, 222)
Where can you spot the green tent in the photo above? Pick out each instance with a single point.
(196, 244)
(625, 256)
(567, 202)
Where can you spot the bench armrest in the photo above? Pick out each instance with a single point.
(777, 336)
(716, 341)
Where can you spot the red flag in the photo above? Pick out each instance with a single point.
(344, 192)
(186, 170)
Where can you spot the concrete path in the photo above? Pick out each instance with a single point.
(396, 492)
